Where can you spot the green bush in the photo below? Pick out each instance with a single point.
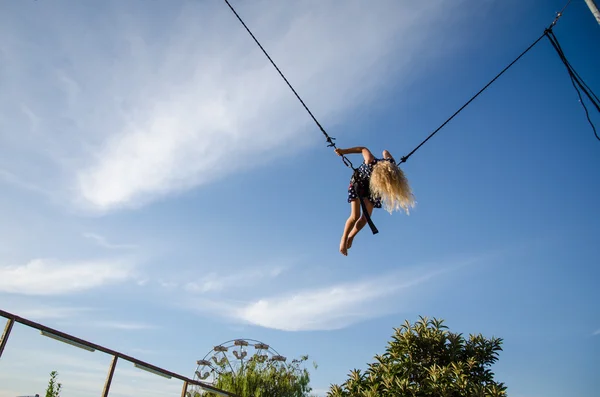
(53, 389)
(425, 360)
(260, 377)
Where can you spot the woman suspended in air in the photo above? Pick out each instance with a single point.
(378, 181)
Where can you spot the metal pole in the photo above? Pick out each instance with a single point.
(5, 334)
(111, 371)
(53, 333)
(594, 9)
(184, 389)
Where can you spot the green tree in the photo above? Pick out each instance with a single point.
(53, 389)
(265, 378)
(425, 359)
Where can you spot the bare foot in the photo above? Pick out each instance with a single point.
(344, 249)
(349, 242)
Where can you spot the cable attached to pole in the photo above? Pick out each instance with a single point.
(576, 80)
(549, 29)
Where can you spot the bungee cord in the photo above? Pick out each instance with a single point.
(328, 138)
(404, 158)
(575, 79)
(572, 73)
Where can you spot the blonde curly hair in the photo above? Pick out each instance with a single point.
(390, 184)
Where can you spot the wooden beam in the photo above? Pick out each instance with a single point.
(111, 371)
(6, 334)
(184, 389)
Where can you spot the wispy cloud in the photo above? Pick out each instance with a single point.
(332, 307)
(322, 309)
(145, 112)
(596, 332)
(213, 282)
(227, 109)
(103, 242)
(50, 277)
(327, 307)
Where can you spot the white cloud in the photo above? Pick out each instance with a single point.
(168, 284)
(103, 242)
(596, 332)
(331, 307)
(142, 281)
(213, 282)
(325, 308)
(183, 136)
(141, 111)
(48, 277)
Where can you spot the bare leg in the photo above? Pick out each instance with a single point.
(350, 223)
(360, 223)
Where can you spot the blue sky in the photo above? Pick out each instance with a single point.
(163, 191)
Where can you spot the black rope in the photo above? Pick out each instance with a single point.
(403, 159)
(576, 80)
(549, 29)
(329, 139)
(559, 14)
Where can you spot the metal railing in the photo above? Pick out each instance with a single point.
(89, 346)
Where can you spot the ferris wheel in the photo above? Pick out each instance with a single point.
(231, 356)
